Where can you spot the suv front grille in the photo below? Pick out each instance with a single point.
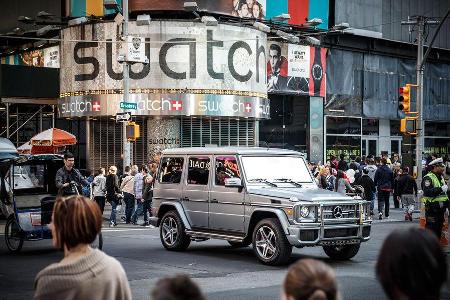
(339, 211)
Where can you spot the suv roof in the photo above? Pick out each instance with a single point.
(229, 150)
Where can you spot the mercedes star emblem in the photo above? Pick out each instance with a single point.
(337, 212)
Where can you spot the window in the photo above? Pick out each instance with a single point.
(198, 172)
(29, 177)
(343, 125)
(370, 127)
(171, 170)
(226, 167)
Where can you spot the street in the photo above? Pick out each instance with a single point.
(222, 272)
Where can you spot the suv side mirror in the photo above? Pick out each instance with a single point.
(233, 182)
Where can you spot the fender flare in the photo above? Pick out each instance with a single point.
(179, 208)
(280, 215)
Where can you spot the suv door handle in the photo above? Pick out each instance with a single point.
(185, 199)
(214, 201)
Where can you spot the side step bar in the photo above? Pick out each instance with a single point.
(200, 234)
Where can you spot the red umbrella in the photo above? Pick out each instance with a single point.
(51, 140)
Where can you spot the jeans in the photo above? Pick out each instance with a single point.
(138, 211)
(147, 205)
(129, 206)
(383, 199)
(100, 200)
(112, 218)
(372, 202)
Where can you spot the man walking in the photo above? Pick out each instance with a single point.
(138, 193)
(435, 196)
(369, 188)
(69, 180)
(147, 193)
(407, 192)
(384, 180)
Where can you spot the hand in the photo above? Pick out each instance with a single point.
(65, 184)
(444, 188)
(142, 200)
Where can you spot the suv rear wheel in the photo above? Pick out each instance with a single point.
(341, 252)
(270, 243)
(172, 232)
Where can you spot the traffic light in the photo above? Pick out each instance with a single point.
(405, 98)
(133, 131)
(408, 125)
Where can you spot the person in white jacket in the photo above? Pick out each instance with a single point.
(99, 188)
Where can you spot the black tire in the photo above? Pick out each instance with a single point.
(177, 240)
(98, 243)
(343, 252)
(13, 235)
(239, 244)
(279, 246)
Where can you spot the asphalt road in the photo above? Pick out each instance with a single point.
(222, 272)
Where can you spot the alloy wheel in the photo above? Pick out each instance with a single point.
(169, 231)
(266, 242)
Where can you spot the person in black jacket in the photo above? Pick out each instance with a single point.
(112, 190)
(342, 164)
(384, 180)
(69, 180)
(369, 188)
(407, 192)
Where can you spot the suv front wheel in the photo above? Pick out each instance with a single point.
(172, 232)
(341, 252)
(270, 243)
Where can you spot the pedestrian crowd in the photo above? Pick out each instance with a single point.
(130, 195)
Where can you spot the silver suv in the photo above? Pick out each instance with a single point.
(264, 197)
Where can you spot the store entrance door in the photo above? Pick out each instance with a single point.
(369, 146)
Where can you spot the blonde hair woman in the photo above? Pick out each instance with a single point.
(112, 191)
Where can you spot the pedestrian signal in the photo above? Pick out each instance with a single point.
(408, 125)
(405, 98)
(133, 131)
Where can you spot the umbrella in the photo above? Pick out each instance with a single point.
(25, 148)
(51, 140)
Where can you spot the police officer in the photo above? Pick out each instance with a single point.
(435, 196)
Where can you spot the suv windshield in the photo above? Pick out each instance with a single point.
(276, 169)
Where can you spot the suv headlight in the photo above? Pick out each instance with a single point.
(305, 213)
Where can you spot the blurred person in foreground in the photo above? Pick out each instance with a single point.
(179, 287)
(310, 279)
(411, 265)
(83, 273)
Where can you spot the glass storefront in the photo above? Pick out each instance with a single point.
(288, 124)
(437, 140)
(343, 136)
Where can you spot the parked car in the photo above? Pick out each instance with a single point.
(259, 196)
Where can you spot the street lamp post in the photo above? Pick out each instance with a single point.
(126, 90)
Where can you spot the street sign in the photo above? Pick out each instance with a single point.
(123, 117)
(135, 50)
(128, 105)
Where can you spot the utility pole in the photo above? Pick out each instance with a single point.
(421, 22)
(126, 89)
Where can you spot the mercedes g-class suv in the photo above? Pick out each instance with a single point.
(259, 196)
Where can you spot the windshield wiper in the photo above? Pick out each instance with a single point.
(289, 181)
(263, 180)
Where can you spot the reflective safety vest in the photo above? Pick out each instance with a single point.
(436, 183)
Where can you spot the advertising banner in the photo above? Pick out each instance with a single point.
(296, 69)
(299, 10)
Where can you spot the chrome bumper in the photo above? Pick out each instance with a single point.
(316, 234)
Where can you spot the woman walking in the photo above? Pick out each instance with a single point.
(99, 189)
(127, 188)
(112, 190)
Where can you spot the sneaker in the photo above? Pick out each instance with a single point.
(145, 224)
(387, 217)
(112, 224)
(380, 216)
(123, 218)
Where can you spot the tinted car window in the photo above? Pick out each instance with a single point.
(226, 167)
(171, 170)
(198, 172)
